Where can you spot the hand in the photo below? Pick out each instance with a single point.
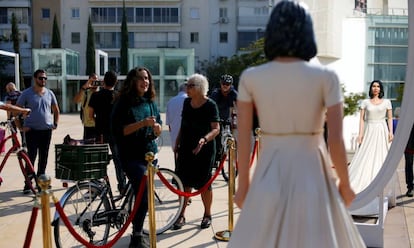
(239, 197)
(390, 137)
(347, 194)
(26, 112)
(200, 144)
(359, 139)
(149, 121)
(157, 129)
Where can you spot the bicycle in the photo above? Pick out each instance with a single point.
(97, 214)
(25, 164)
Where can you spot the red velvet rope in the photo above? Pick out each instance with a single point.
(119, 234)
(204, 188)
(30, 228)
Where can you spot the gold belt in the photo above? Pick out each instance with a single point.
(293, 133)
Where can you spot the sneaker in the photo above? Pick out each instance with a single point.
(138, 241)
(409, 193)
(26, 189)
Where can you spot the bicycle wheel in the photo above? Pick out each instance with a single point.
(225, 172)
(168, 205)
(27, 170)
(84, 205)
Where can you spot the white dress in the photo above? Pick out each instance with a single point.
(293, 200)
(371, 154)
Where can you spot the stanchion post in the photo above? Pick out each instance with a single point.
(149, 157)
(226, 234)
(44, 183)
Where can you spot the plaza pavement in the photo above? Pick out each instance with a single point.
(15, 208)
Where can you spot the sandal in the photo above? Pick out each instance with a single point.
(179, 223)
(206, 222)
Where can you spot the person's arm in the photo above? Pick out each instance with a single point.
(15, 109)
(215, 130)
(390, 125)
(56, 115)
(82, 91)
(361, 126)
(244, 117)
(338, 153)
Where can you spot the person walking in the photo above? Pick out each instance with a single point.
(173, 114)
(292, 199)
(408, 155)
(100, 108)
(136, 122)
(83, 97)
(43, 118)
(195, 145)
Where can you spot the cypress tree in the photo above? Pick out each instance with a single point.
(16, 44)
(56, 41)
(90, 49)
(124, 42)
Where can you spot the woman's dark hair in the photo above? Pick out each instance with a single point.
(381, 93)
(289, 32)
(129, 88)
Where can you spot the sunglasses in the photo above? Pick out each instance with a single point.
(190, 85)
(42, 78)
(225, 83)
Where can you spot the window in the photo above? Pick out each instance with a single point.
(75, 13)
(194, 13)
(194, 37)
(45, 40)
(3, 16)
(223, 37)
(75, 37)
(45, 13)
(129, 14)
(223, 12)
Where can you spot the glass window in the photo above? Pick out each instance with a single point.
(150, 62)
(194, 13)
(390, 55)
(3, 16)
(75, 13)
(75, 37)
(45, 40)
(223, 12)
(129, 14)
(223, 37)
(45, 13)
(390, 72)
(175, 65)
(143, 15)
(194, 37)
(107, 39)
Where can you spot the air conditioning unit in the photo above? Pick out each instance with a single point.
(224, 20)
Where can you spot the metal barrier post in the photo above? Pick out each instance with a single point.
(44, 183)
(149, 157)
(226, 234)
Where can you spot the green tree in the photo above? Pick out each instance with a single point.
(56, 41)
(124, 42)
(15, 36)
(351, 101)
(90, 49)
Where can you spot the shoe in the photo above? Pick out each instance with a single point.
(206, 222)
(179, 223)
(409, 193)
(138, 241)
(26, 189)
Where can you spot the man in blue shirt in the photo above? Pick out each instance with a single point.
(44, 118)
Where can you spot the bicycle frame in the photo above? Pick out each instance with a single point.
(16, 147)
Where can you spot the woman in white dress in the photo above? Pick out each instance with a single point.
(374, 139)
(292, 199)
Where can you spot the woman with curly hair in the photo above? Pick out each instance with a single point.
(136, 123)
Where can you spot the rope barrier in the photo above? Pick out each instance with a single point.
(204, 188)
(207, 185)
(30, 228)
(118, 235)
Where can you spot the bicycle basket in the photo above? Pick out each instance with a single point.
(82, 162)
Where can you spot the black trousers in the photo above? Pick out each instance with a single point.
(38, 142)
(409, 170)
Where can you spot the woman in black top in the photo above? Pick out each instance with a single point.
(195, 145)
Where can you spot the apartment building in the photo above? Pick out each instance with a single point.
(360, 39)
